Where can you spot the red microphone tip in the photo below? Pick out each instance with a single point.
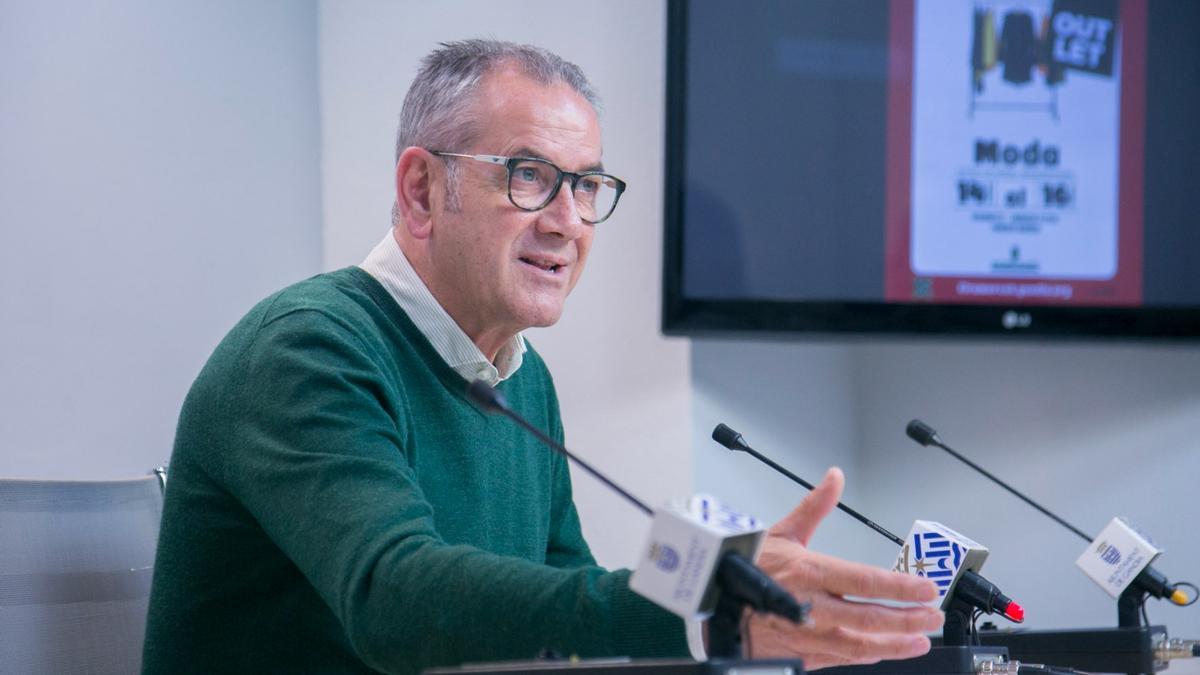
(1015, 612)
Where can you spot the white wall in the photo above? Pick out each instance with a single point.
(624, 388)
(159, 174)
(1090, 430)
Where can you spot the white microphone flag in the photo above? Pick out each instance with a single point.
(687, 540)
(940, 554)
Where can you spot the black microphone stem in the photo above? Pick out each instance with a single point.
(571, 456)
(937, 441)
(972, 592)
(1148, 581)
(855, 514)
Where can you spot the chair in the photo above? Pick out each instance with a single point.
(76, 558)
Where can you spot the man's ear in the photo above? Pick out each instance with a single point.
(415, 183)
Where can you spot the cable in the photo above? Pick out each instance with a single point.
(1195, 592)
(1050, 670)
(745, 630)
(973, 632)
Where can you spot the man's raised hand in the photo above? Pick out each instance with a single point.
(840, 631)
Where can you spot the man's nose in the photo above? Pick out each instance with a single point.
(561, 215)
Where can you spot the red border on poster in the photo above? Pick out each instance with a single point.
(1125, 288)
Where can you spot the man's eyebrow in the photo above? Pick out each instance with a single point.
(534, 154)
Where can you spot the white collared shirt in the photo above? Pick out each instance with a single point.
(389, 266)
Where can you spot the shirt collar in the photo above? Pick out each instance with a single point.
(389, 266)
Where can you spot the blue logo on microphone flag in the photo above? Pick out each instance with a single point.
(937, 558)
(1111, 555)
(664, 557)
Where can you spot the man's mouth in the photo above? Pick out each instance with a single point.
(544, 264)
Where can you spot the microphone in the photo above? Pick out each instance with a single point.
(1103, 552)
(921, 432)
(697, 563)
(698, 550)
(748, 584)
(937, 552)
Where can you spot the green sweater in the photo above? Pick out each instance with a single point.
(335, 504)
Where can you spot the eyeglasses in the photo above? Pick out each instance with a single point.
(533, 183)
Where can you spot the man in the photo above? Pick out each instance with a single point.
(335, 502)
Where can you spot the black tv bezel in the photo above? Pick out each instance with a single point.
(693, 317)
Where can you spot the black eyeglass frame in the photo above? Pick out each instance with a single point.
(509, 163)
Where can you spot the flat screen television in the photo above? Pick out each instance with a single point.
(961, 167)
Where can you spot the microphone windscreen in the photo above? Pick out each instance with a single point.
(727, 437)
(486, 396)
(920, 432)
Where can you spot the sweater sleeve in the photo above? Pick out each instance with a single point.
(319, 466)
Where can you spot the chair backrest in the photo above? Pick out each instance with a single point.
(76, 558)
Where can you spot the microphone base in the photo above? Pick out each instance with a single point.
(939, 661)
(623, 666)
(1096, 650)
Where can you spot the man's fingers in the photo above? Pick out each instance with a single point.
(830, 645)
(844, 632)
(813, 570)
(872, 618)
(841, 647)
(858, 647)
(801, 523)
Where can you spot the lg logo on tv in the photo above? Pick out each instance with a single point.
(1012, 320)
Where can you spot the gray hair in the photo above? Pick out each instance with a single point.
(439, 109)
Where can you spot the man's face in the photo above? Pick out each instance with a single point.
(499, 270)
